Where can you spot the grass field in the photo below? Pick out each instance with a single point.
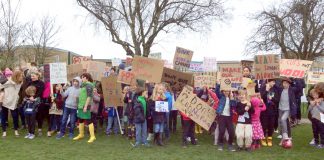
(118, 147)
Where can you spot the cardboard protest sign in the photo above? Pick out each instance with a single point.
(315, 77)
(161, 106)
(205, 80)
(116, 61)
(73, 71)
(176, 79)
(126, 77)
(210, 64)
(196, 109)
(129, 61)
(225, 84)
(250, 89)
(294, 68)
(96, 69)
(112, 91)
(81, 60)
(196, 66)
(182, 59)
(168, 64)
(148, 69)
(55, 73)
(54, 110)
(245, 82)
(266, 66)
(232, 72)
(155, 55)
(247, 63)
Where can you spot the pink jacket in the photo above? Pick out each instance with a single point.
(47, 90)
(258, 108)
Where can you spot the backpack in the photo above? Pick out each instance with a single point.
(138, 113)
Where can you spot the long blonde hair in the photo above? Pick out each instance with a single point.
(156, 93)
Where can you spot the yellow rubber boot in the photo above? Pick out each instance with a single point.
(264, 142)
(196, 129)
(92, 133)
(81, 132)
(269, 139)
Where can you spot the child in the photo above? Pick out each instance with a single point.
(140, 114)
(316, 108)
(95, 106)
(70, 109)
(159, 118)
(287, 107)
(129, 112)
(244, 122)
(225, 111)
(30, 105)
(188, 130)
(112, 119)
(258, 134)
(56, 111)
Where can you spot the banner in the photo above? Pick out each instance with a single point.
(210, 64)
(73, 71)
(266, 67)
(161, 106)
(116, 61)
(182, 59)
(294, 68)
(148, 69)
(155, 55)
(96, 69)
(112, 91)
(232, 72)
(55, 73)
(205, 80)
(315, 77)
(176, 79)
(126, 77)
(196, 66)
(196, 109)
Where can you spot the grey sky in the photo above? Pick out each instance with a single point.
(225, 41)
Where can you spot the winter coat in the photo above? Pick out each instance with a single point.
(292, 100)
(11, 94)
(222, 102)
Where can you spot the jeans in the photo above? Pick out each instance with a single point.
(283, 117)
(4, 118)
(112, 120)
(66, 113)
(166, 125)
(22, 115)
(141, 132)
(318, 131)
(158, 127)
(55, 122)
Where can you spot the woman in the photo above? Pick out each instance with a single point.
(10, 99)
(247, 73)
(84, 114)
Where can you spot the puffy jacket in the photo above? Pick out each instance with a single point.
(222, 102)
(139, 116)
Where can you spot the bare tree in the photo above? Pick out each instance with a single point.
(134, 24)
(10, 31)
(41, 35)
(296, 28)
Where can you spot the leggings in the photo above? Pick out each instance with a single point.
(42, 114)
(267, 122)
(283, 117)
(4, 118)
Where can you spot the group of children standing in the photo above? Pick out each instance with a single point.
(251, 120)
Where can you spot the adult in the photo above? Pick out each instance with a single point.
(299, 84)
(83, 113)
(247, 73)
(10, 99)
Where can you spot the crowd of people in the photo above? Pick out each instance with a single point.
(250, 120)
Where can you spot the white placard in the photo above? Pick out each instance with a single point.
(116, 61)
(210, 64)
(161, 106)
(58, 73)
(322, 117)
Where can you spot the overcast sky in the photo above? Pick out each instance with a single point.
(224, 41)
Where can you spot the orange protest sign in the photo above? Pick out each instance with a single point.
(126, 77)
(148, 69)
(294, 68)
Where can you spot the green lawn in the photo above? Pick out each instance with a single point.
(118, 147)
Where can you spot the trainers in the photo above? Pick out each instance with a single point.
(27, 136)
(231, 148)
(32, 136)
(279, 137)
(312, 142)
(59, 136)
(320, 146)
(220, 148)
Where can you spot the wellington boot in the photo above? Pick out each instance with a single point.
(269, 139)
(264, 142)
(81, 132)
(92, 133)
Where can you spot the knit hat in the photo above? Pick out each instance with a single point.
(7, 72)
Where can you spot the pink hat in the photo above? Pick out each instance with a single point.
(8, 72)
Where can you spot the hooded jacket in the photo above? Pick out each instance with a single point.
(72, 95)
(222, 102)
(258, 107)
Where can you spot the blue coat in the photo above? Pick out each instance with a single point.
(222, 101)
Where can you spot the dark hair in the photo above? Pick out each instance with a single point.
(88, 76)
(270, 80)
(33, 64)
(99, 87)
(113, 69)
(247, 68)
(139, 91)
